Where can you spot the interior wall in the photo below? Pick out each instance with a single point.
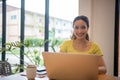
(101, 15)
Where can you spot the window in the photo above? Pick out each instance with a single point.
(13, 17)
(62, 17)
(60, 24)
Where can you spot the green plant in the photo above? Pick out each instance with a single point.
(32, 53)
(32, 50)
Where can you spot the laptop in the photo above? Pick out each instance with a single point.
(64, 66)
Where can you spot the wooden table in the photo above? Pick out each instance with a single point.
(108, 77)
(23, 77)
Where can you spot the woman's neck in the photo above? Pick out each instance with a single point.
(81, 45)
(81, 41)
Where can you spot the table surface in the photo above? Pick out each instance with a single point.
(20, 76)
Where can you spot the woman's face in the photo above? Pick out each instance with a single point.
(80, 29)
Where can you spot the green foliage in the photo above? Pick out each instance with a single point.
(0, 40)
(34, 42)
(33, 49)
(54, 43)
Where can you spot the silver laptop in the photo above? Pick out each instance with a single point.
(64, 66)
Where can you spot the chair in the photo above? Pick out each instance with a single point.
(5, 68)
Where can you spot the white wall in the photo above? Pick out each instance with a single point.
(101, 14)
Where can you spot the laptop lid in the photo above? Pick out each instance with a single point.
(62, 66)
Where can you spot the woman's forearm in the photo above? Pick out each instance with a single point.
(102, 70)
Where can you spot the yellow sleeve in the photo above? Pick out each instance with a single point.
(98, 51)
(63, 47)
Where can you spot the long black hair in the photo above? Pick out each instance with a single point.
(85, 19)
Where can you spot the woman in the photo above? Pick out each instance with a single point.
(80, 43)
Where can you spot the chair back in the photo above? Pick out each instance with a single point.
(5, 68)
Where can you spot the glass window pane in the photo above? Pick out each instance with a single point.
(13, 29)
(34, 29)
(62, 13)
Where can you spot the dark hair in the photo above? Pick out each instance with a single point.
(85, 19)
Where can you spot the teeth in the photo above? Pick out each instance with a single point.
(80, 35)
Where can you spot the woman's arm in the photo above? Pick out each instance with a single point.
(102, 67)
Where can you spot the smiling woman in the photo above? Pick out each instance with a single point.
(81, 44)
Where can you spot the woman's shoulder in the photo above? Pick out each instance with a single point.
(96, 48)
(67, 42)
(94, 44)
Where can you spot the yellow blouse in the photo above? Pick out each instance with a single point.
(67, 46)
